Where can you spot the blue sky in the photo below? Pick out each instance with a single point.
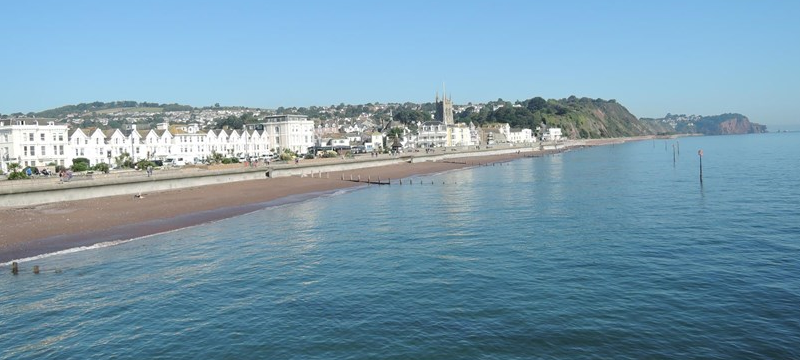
(694, 57)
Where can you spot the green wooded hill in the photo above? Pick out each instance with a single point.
(582, 118)
(100, 107)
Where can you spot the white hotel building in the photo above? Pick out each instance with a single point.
(33, 142)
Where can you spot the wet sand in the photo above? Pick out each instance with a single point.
(41, 229)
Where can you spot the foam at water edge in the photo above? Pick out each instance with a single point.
(83, 248)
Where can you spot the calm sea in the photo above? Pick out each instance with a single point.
(613, 252)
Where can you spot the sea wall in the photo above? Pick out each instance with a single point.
(48, 190)
(55, 191)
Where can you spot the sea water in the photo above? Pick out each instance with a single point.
(611, 252)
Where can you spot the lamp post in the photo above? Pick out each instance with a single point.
(133, 159)
(3, 159)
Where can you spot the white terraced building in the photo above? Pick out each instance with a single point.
(33, 142)
(293, 132)
(42, 142)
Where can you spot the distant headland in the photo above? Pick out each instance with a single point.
(724, 124)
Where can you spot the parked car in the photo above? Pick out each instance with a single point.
(175, 162)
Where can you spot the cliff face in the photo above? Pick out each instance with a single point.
(725, 124)
(735, 126)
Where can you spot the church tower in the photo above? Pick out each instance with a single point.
(444, 109)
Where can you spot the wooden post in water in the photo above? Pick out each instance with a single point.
(673, 155)
(14, 268)
(700, 153)
(679, 146)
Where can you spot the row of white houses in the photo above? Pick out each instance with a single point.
(39, 142)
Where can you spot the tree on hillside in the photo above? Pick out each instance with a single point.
(395, 132)
(411, 116)
(231, 122)
(536, 104)
(234, 122)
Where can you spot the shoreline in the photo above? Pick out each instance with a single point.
(30, 232)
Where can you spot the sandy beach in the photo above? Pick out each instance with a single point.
(46, 228)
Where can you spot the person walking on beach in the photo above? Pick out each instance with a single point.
(149, 170)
